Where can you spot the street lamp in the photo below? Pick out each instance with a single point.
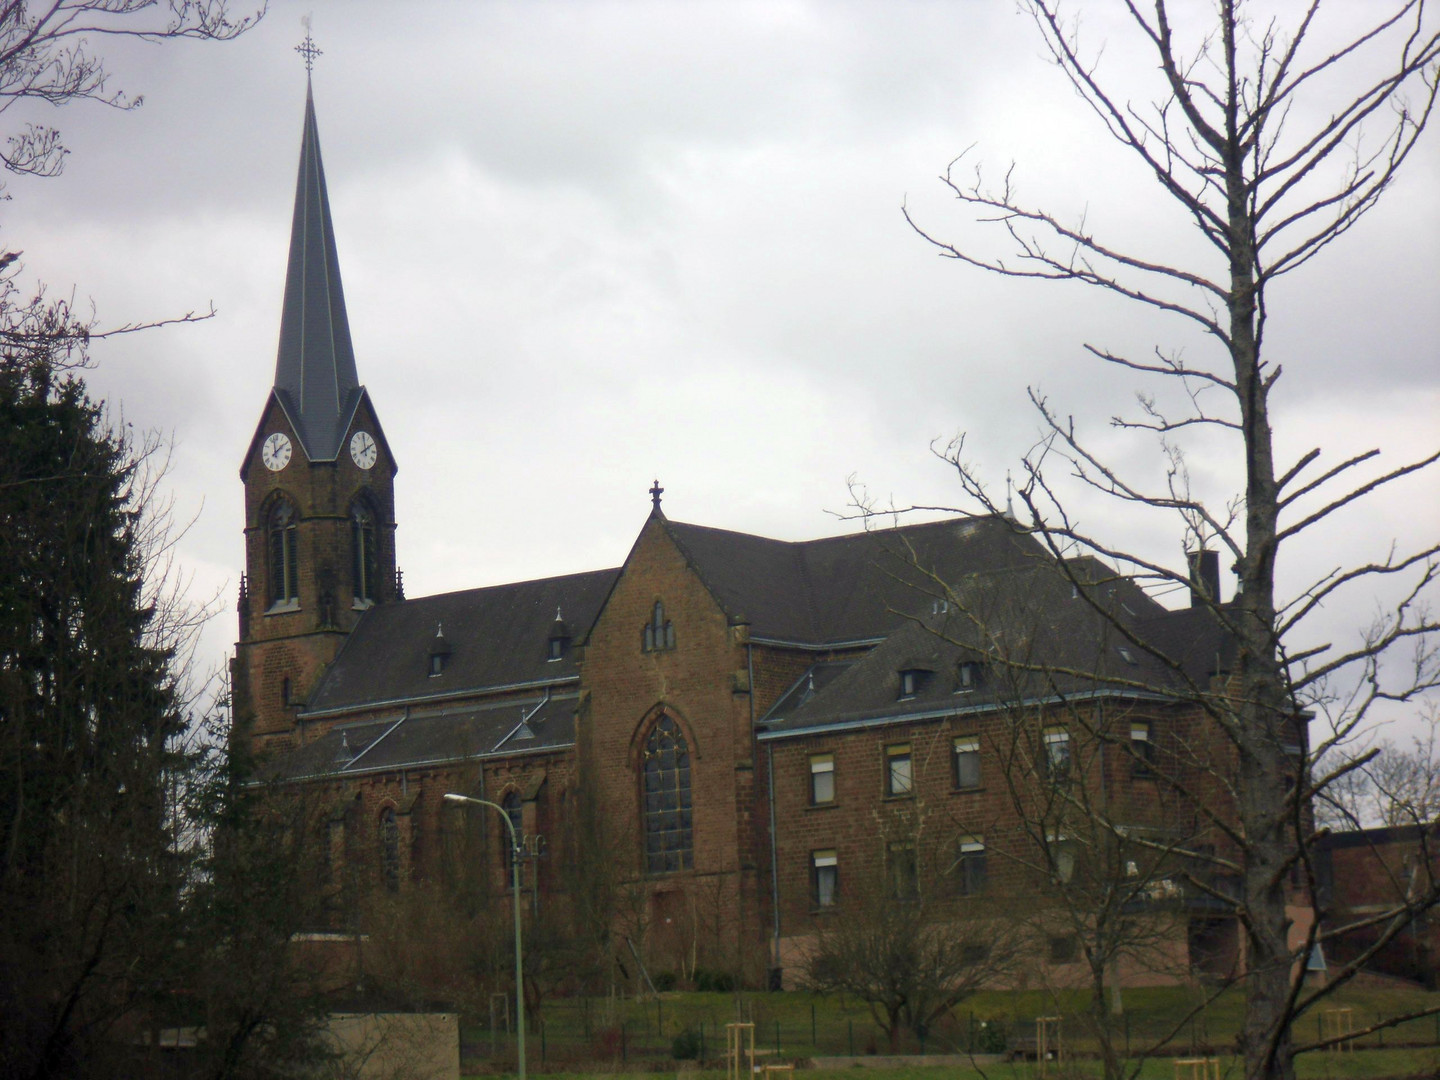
(451, 797)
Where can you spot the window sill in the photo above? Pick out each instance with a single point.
(285, 607)
(831, 805)
(968, 790)
(899, 796)
(827, 909)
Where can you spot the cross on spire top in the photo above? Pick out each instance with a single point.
(655, 492)
(307, 48)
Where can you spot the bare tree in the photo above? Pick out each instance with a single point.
(1225, 139)
(46, 55)
(907, 955)
(1389, 784)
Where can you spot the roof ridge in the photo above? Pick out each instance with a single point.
(412, 600)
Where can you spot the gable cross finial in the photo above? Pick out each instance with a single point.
(307, 48)
(655, 492)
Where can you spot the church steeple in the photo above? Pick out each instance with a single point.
(315, 377)
(319, 483)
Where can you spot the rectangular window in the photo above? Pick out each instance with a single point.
(899, 780)
(969, 871)
(967, 762)
(1062, 851)
(904, 876)
(824, 878)
(822, 779)
(1057, 753)
(1144, 749)
(1063, 949)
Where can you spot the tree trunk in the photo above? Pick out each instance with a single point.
(1263, 710)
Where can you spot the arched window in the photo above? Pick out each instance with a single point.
(658, 634)
(284, 553)
(515, 813)
(364, 554)
(390, 849)
(665, 775)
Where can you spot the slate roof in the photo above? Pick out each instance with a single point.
(315, 378)
(845, 588)
(1032, 631)
(411, 738)
(498, 636)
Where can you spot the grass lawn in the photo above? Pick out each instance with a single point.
(1362, 1065)
(801, 1025)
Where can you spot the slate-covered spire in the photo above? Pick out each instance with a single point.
(315, 370)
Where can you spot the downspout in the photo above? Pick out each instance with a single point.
(770, 798)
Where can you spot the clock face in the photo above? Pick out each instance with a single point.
(362, 449)
(276, 452)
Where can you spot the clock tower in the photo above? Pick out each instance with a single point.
(319, 486)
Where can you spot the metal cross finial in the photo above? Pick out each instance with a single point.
(308, 48)
(655, 493)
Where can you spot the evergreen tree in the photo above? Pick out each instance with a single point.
(88, 712)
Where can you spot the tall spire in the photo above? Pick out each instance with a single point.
(315, 369)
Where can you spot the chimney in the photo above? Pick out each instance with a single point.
(1204, 577)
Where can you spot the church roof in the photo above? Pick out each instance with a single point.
(846, 588)
(497, 636)
(315, 376)
(1028, 634)
(415, 738)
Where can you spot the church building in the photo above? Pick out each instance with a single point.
(767, 730)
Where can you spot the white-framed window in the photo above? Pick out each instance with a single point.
(969, 872)
(824, 878)
(1057, 753)
(1144, 749)
(899, 770)
(822, 779)
(965, 757)
(1063, 855)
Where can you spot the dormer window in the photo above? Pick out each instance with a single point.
(912, 681)
(659, 633)
(559, 640)
(439, 652)
(968, 675)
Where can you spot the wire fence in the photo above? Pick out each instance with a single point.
(794, 1026)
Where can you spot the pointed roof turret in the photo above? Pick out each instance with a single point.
(315, 377)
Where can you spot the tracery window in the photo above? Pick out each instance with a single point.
(284, 553)
(665, 775)
(364, 554)
(390, 849)
(515, 812)
(659, 633)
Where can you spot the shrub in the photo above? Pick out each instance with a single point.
(721, 982)
(990, 1037)
(664, 981)
(686, 1046)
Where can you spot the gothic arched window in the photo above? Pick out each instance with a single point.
(658, 634)
(364, 554)
(390, 849)
(284, 553)
(515, 813)
(665, 777)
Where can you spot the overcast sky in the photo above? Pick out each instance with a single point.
(587, 245)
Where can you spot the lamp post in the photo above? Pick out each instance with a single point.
(451, 797)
